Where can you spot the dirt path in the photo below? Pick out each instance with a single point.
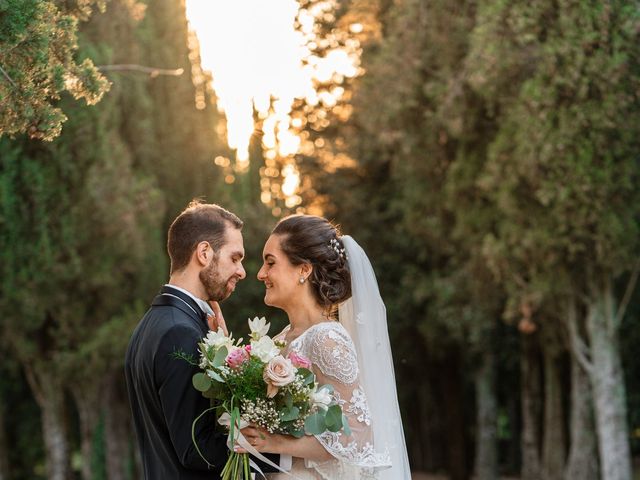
(430, 476)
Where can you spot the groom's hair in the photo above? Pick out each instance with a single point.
(199, 222)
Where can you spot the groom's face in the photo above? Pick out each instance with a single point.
(225, 269)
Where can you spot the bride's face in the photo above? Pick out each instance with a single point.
(280, 277)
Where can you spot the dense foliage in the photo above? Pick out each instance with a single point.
(486, 158)
(38, 61)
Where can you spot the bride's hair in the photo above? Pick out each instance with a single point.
(314, 240)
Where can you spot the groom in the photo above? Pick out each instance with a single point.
(206, 251)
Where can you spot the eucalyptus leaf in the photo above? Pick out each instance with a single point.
(289, 414)
(216, 376)
(333, 418)
(308, 375)
(315, 424)
(220, 356)
(201, 382)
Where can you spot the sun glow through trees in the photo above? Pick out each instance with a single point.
(261, 62)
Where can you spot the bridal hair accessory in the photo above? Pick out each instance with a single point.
(335, 245)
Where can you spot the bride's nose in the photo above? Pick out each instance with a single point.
(261, 274)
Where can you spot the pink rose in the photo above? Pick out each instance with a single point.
(248, 348)
(299, 361)
(237, 357)
(278, 373)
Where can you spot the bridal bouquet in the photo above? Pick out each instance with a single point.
(255, 384)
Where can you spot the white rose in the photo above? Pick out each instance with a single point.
(259, 327)
(278, 373)
(264, 349)
(321, 398)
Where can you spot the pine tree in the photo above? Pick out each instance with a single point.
(38, 43)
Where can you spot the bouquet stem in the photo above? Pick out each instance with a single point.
(237, 467)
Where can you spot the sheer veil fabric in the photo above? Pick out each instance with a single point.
(365, 319)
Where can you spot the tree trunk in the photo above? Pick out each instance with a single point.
(531, 406)
(425, 447)
(554, 441)
(486, 461)
(49, 394)
(583, 457)
(87, 403)
(4, 445)
(424, 452)
(117, 433)
(454, 417)
(608, 385)
(513, 444)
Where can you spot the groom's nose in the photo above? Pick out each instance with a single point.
(241, 272)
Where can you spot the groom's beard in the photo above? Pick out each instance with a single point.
(216, 288)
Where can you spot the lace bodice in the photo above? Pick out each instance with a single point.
(334, 360)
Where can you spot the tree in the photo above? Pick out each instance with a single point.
(38, 41)
(96, 202)
(512, 115)
(411, 134)
(563, 80)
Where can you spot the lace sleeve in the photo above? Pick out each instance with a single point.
(335, 362)
(333, 355)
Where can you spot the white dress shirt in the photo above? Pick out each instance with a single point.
(201, 303)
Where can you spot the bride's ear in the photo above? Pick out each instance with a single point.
(305, 270)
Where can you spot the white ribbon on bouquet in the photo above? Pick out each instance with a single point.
(225, 419)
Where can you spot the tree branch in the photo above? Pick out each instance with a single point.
(6, 75)
(631, 286)
(578, 346)
(35, 386)
(152, 71)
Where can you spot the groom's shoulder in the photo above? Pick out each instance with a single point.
(161, 325)
(166, 325)
(168, 317)
(159, 321)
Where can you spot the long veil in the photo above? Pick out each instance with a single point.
(364, 316)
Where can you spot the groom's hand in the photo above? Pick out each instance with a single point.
(216, 320)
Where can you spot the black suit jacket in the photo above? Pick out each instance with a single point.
(163, 399)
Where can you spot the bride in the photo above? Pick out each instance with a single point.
(308, 271)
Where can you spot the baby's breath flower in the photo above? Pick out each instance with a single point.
(261, 412)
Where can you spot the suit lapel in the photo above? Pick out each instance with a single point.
(171, 296)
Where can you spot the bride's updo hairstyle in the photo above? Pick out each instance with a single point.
(314, 240)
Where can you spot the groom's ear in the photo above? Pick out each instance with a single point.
(203, 253)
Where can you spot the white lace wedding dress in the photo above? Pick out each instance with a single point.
(355, 357)
(333, 356)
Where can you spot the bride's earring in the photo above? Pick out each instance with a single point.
(301, 280)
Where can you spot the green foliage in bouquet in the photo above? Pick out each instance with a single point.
(249, 386)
